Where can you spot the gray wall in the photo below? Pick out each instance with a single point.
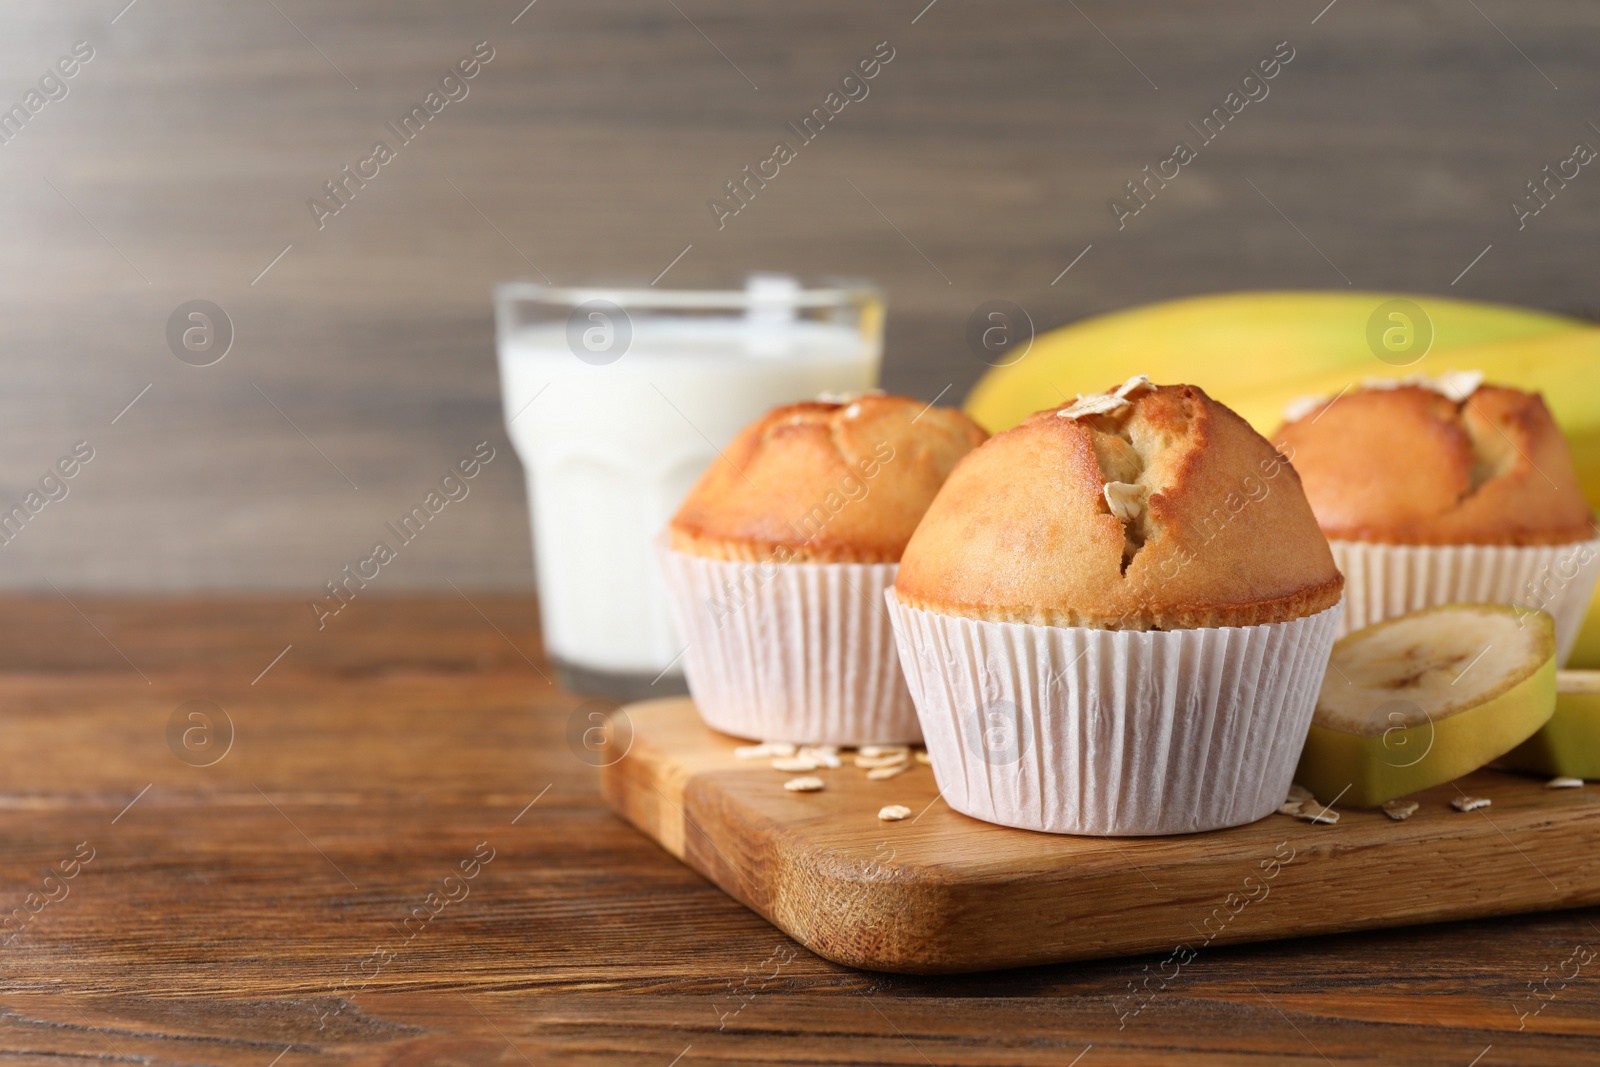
(180, 162)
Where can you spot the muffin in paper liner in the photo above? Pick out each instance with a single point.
(1383, 580)
(1111, 733)
(799, 652)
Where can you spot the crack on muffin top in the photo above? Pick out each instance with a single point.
(1125, 495)
(1493, 454)
(1124, 462)
(1128, 453)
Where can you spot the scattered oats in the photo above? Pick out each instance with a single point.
(1564, 783)
(1299, 796)
(893, 812)
(1125, 500)
(878, 774)
(923, 757)
(1133, 385)
(808, 784)
(821, 755)
(1301, 406)
(1470, 803)
(765, 750)
(890, 760)
(1400, 810)
(871, 751)
(1302, 805)
(795, 764)
(1093, 404)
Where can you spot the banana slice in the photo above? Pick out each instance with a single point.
(1569, 744)
(1424, 698)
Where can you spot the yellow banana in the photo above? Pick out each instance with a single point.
(1586, 653)
(1260, 344)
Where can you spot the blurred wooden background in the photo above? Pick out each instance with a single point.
(179, 163)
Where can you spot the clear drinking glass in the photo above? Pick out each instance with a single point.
(616, 401)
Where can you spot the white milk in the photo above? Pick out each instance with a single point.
(611, 451)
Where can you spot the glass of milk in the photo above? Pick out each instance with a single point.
(616, 401)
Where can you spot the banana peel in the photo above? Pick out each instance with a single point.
(1264, 347)
(1585, 654)
(1365, 769)
(1569, 744)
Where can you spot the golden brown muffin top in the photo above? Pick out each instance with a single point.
(1164, 511)
(824, 481)
(1414, 466)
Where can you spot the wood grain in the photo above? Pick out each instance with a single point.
(187, 149)
(214, 925)
(945, 893)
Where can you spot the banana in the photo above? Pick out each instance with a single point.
(1569, 744)
(1585, 654)
(1421, 699)
(1269, 346)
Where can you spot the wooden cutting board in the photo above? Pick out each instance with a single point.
(941, 892)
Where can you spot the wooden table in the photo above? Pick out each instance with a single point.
(255, 911)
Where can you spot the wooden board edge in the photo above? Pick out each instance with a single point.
(769, 866)
(644, 789)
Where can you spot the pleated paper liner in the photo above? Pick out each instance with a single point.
(1083, 731)
(1382, 581)
(800, 652)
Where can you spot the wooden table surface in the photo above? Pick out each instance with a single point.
(274, 906)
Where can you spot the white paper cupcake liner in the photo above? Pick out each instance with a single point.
(800, 652)
(1381, 581)
(1082, 731)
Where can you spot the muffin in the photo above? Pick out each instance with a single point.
(1436, 491)
(777, 562)
(1115, 617)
